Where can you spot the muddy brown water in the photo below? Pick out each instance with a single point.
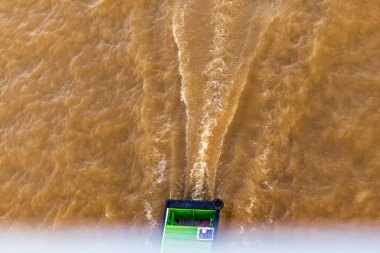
(107, 108)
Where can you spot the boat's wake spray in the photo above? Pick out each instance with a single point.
(214, 69)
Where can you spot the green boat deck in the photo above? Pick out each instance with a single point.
(188, 230)
(183, 238)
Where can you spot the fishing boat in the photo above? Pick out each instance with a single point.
(190, 225)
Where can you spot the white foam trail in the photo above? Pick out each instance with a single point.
(177, 25)
(223, 77)
(217, 86)
(160, 166)
(252, 204)
(199, 169)
(148, 210)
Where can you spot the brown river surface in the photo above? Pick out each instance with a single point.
(109, 107)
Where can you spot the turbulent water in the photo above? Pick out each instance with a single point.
(109, 107)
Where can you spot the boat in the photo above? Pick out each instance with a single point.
(190, 225)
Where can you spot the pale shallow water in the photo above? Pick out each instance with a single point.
(127, 240)
(109, 107)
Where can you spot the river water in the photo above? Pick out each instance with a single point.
(109, 107)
